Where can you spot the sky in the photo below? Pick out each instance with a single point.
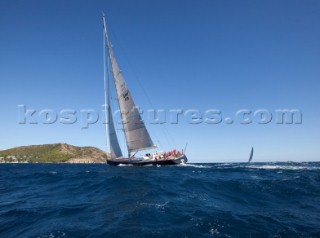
(223, 55)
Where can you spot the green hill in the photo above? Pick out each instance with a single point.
(53, 153)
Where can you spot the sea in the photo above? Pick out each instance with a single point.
(191, 200)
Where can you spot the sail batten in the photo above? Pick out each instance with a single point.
(136, 134)
(146, 148)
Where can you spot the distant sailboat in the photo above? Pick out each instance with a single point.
(136, 134)
(251, 155)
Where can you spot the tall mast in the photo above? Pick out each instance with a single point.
(135, 131)
(105, 91)
(111, 132)
(109, 49)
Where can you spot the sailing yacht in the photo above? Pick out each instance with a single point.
(136, 134)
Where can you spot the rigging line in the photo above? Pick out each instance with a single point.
(132, 70)
(170, 139)
(105, 90)
(157, 139)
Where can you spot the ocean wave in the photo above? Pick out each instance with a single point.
(282, 167)
(200, 166)
(194, 200)
(125, 165)
(55, 234)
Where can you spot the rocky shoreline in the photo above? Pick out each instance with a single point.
(54, 153)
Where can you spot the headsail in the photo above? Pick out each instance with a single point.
(114, 144)
(136, 134)
(251, 155)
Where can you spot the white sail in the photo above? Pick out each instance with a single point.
(110, 129)
(136, 134)
(114, 144)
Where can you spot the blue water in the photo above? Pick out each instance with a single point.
(207, 200)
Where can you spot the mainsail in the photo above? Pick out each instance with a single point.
(136, 134)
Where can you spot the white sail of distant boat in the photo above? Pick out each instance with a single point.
(136, 134)
(251, 155)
